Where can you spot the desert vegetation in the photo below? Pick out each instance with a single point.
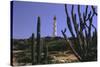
(80, 47)
(85, 50)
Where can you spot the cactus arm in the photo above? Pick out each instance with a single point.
(70, 44)
(69, 22)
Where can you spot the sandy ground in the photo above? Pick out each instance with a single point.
(58, 57)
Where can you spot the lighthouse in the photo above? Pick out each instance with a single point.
(54, 27)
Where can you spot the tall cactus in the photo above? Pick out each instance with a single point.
(69, 22)
(84, 40)
(33, 52)
(38, 46)
(45, 52)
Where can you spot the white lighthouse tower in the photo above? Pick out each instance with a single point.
(54, 27)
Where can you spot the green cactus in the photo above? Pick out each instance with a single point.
(45, 52)
(38, 46)
(84, 41)
(33, 52)
(69, 22)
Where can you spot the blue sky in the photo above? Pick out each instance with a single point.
(25, 18)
